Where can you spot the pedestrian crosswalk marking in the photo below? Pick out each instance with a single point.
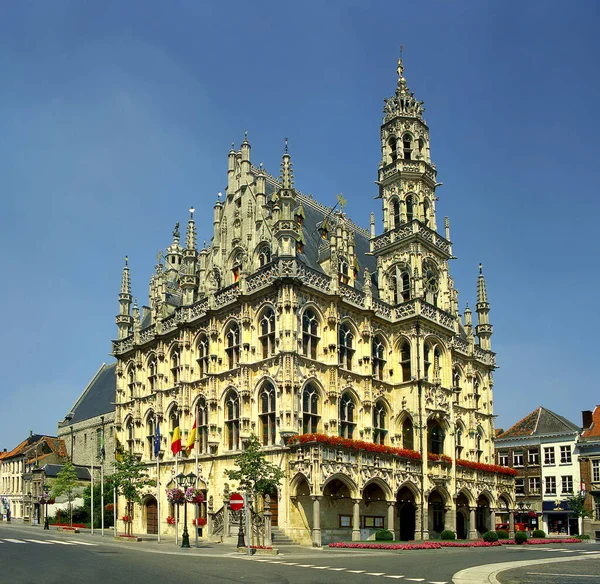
(336, 569)
(39, 541)
(394, 577)
(61, 542)
(82, 543)
(356, 571)
(13, 540)
(374, 573)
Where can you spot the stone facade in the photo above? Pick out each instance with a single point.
(298, 326)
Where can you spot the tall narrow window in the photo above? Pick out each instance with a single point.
(458, 441)
(347, 416)
(408, 440)
(131, 382)
(393, 149)
(346, 347)
(410, 208)
(379, 423)
(407, 146)
(435, 438)
(405, 360)
(267, 333)
(175, 363)
(232, 339)
(152, 373)
(232, 420)
(310, 334)
(479, 445)
(396, 213)
(264, 256)
(203, 347)
(394, 287)
(150, 435)
(343, 274)
(202, 426)
(426, 212)
(476, 390)
(310, 410)
(267, 414)
(426, 360)
(378, 357)
(405, 286)
(129, 429)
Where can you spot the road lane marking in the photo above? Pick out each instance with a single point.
(374, 573)
(356, 571)
(569, 575)
(39, 541)
(305, 565)
(82, 543)
(319, 567)
(336, 569)
(416, 579)
(60, 542)
(13, 540)
(394, 577)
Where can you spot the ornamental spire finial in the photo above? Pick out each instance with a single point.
(125, 281)
(481, 287)
(287, 174)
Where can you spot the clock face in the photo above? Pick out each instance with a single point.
(430, 277)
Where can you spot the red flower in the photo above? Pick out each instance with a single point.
(171, 520)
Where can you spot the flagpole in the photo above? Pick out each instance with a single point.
(197, 471)
(92, 490)
(156, 453)
(115, 511)
(102, 456)
(176, 506)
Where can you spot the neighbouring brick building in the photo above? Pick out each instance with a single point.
(588, 449)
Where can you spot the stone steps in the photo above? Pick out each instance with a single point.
(279, 538)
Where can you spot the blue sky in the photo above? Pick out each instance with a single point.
(117, 116)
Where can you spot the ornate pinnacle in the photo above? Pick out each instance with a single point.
(481, 289)
(125, 282)
(287, 174)
(176, 234)
(190, 241)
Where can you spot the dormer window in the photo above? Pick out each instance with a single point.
(343, 273)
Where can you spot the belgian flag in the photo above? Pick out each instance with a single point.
(176, 439)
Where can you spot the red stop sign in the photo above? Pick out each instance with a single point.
(236, 502)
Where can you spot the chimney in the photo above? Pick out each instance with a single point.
(586, 416)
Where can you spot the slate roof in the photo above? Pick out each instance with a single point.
(98, 397)
(51, 470)
(594, 430)
(540, 422)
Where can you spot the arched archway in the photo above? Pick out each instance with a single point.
(462, 516)
(151, 509)
(407, 508)
(437, 513)
(483, 515)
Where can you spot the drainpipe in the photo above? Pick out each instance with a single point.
(423, 450)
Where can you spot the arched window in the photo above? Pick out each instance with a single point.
(343, 273)
(203, 347)
(347, 416)
(432, 367)
(400, 284)
(395, 213)
(267, 333)
(410, 208)
(405, 360)
(175, 363)
(421, 145)
(131, 381)
(346, 347)
(435, 438)
(152, 373)
(393, 149)
(202, 426)
(379, 423)
(458, 441)
(150, 435)
(310, 334)
(232, 341)
(407, 146)
(408, 438)
(129, 433)
(267, 414)
(378, 356)
(232, 420)
(456, 384)
(236, 267)
(264, 256)
(310, 410)
(476, 390)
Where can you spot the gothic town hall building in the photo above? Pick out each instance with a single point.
(341, 348)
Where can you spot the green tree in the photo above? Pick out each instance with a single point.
(576, 502)
(65, 484)
(254, 474)
(130, 479)
(108, 515)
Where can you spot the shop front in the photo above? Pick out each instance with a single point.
(558, 519)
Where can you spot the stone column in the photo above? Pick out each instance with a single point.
(390, 516)
(492, 519)
(511, 525)
(356, 520)
(267, 516)
(425, 519)
(417, 522)
(450, 519)
(472, 528)
(316, 530)
(209, 517)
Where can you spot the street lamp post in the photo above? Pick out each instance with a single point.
(46, 489)
(184, 482)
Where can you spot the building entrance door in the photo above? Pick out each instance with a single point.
(151, 516)
(275, 509)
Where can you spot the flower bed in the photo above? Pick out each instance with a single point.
(487, 467)
(436, 545)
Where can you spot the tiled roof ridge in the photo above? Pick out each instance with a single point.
(539, 415)
(514, 428)
(560, 418)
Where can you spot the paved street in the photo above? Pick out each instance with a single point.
(49, 557)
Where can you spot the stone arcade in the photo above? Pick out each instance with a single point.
(343, 350)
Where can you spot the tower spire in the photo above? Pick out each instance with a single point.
(124, 319)
(484, 328)
(190, 240)
(287, 174)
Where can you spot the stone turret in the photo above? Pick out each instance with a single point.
(189, 281)
(484, 328)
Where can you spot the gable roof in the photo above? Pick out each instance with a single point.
(51, 470)
(594, 430)
(540, 422)
(97, 398)
(21, 447)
